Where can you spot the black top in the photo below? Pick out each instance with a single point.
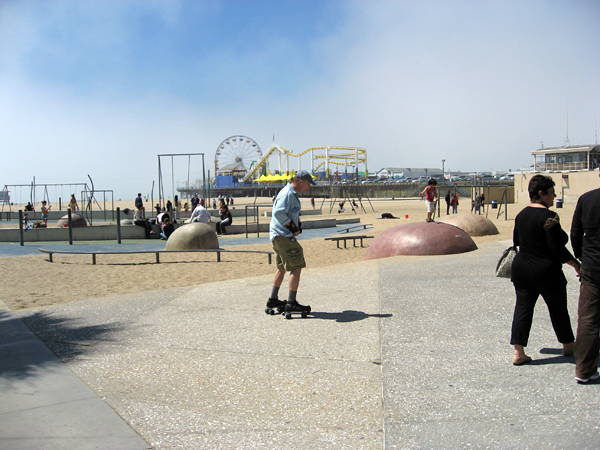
(227, 215)
(585, 231)
(168, 229)
(541, 242)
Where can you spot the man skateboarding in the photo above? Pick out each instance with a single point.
(289, 256)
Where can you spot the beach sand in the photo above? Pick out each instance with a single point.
(39, 283)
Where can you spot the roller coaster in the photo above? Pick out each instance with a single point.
(338, 156)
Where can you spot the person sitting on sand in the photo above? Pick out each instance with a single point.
(141, 221)
(226, 219)
(26, 224)
(167, 227)
(200, 214)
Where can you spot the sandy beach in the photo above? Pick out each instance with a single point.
(39, 283)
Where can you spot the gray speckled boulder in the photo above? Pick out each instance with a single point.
(472, 224)
(76, 221)
(193, 236)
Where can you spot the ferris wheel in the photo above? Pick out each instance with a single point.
(236, 154)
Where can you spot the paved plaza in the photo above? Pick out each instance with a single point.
(401, 353)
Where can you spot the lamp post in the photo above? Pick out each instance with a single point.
(443, 169)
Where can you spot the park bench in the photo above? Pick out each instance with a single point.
(345, 238)
(218, 251)
(360, 226)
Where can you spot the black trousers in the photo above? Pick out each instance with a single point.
(555, 296)
(220, 226)
(144, 223)
(587, 344)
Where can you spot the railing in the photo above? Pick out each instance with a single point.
(556, 167)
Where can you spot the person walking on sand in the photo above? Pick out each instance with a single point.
(448, 200)
(537, 269)
(430, 192)
(454, 204)
(585, 240)
(289, 255)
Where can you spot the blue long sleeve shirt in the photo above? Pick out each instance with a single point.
(285, 209)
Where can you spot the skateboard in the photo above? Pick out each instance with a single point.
(275, 309)
(304, 314)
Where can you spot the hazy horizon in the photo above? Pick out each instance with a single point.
(102, 88)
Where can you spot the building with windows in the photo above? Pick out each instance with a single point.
(574, 170)
(582, 157)
(405, 172)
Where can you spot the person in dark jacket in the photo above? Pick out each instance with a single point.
(448, 198)
(226, 219)
(537, 268)
(585, 240)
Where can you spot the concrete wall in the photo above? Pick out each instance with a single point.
(96, 233)
(568, 185)
(109, 232)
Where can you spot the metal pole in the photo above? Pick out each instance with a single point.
(172, 179)
(21, 227)
(70, 226)
(187, 186)
(203, 180)
(505, 203)
(159, 184)
(118, 225)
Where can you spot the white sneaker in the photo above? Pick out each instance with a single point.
(594, 377)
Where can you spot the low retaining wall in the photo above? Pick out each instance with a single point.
(109, 232)
(96, 233)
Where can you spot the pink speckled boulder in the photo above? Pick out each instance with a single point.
(420, 238)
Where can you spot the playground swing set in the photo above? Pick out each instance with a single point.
(87, 196)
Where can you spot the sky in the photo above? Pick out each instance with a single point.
(100, 88)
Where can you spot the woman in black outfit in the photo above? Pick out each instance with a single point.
(537, 268)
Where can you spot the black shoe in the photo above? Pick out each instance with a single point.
(274, 303)
(296, 307)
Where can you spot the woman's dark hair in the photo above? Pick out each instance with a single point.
(539, 183)
(432, 182)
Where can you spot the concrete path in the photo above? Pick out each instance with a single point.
(43, 405)
(402, 353)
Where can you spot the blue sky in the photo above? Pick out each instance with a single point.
(102, 87)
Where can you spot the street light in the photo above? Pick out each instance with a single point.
(443, 170)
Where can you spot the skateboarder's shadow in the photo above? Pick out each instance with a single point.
(346, 316)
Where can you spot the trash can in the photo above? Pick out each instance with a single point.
(494, 204)
(559, 203)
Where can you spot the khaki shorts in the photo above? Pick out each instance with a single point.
(288, 253)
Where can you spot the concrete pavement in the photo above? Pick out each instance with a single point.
(401, 353)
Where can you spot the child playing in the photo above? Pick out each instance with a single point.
(45, 211)
(430, 197)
